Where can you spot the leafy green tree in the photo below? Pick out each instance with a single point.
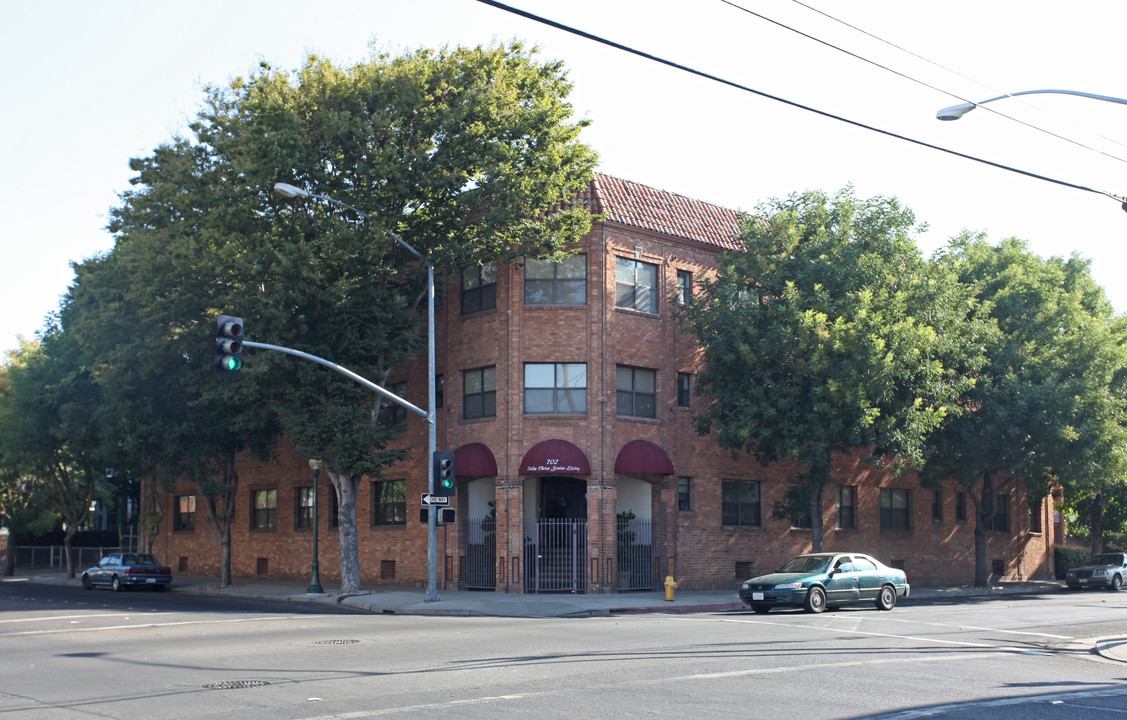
(827, 333)
(23, 507)
(467, 154)
(54, 430)
(1048, 405)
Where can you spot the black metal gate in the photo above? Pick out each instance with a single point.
(636, 567)
(555, 556)
(479, 567)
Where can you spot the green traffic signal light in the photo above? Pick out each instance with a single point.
(232, 363)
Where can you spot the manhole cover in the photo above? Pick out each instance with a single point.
(335, 642)
(235, 684)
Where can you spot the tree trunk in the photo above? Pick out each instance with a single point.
(1099, 507)
(68, 539)
(346, 486)
(816, 520)
(981, 514)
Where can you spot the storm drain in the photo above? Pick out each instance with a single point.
(335, 642)
(236, 684)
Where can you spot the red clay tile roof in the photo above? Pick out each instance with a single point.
(637, 205)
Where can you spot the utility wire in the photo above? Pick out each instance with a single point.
(938, 65)
(776, 98)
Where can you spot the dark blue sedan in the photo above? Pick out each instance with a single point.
(125, 570)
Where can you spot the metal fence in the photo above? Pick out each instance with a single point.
(635, 555)
(30, 557)
(479, 566)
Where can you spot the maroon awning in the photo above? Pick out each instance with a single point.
(642, 456)
(474, 459)
(554, 456)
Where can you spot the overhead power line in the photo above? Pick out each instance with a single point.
(791, 103)
(864, 59)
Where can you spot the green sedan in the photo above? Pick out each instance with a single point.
(815, 582)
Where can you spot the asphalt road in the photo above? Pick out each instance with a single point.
(65, 653)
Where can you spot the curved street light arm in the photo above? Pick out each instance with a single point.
(957, 111)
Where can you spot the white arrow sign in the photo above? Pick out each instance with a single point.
(427, 500)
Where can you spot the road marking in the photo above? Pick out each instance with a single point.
(828, 629)
(48, 618)
(149, 625)
(987, 629)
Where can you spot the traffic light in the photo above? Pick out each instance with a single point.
(228, 347)
(444, 484)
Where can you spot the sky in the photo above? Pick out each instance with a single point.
(87, 86)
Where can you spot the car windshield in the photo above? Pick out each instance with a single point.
(1108, 559)
(141, 560)
(806, 564)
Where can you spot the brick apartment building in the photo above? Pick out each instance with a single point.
(567, 395)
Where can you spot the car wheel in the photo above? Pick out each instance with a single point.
(886, 598)
(86, 584)
(1116, 583)
(116, 584)
(815, 600)
(761, 609)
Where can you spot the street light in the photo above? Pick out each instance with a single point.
(315, 581)
(288, 190)
(957, 111)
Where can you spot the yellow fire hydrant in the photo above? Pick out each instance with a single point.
(670, 586)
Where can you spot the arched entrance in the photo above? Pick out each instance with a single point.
(555, 522)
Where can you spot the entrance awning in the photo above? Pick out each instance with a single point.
(554, 456)
(642, 456)
(474, 459)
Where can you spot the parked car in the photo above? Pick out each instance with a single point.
(820, 580)
(125, 570)
(1105, 571)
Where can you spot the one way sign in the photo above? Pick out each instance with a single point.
(437, 500)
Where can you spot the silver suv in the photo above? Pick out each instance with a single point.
(1106, 571)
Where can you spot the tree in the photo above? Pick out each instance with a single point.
(826, 333)
(22, 505)
(468, 154)
(1047, 407)
(54, 430)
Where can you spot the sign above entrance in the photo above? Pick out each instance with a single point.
(554, 456)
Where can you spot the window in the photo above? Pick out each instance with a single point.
(846, 507)
(479, 288)
(960, 507)
(551, 283)
(684, 287)
(389, 502)
(999, 521)
(555, 388)
(739, 501)
(1034, 515)
(684, 496)
(479, 393)
(265, 509)
(184, 517)
(334, 512)
(937, 505)
(637, 391)
(635, 285)
(684, 382)
(303, 513)
(894, 513)
(396, 412)
(439, 391)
